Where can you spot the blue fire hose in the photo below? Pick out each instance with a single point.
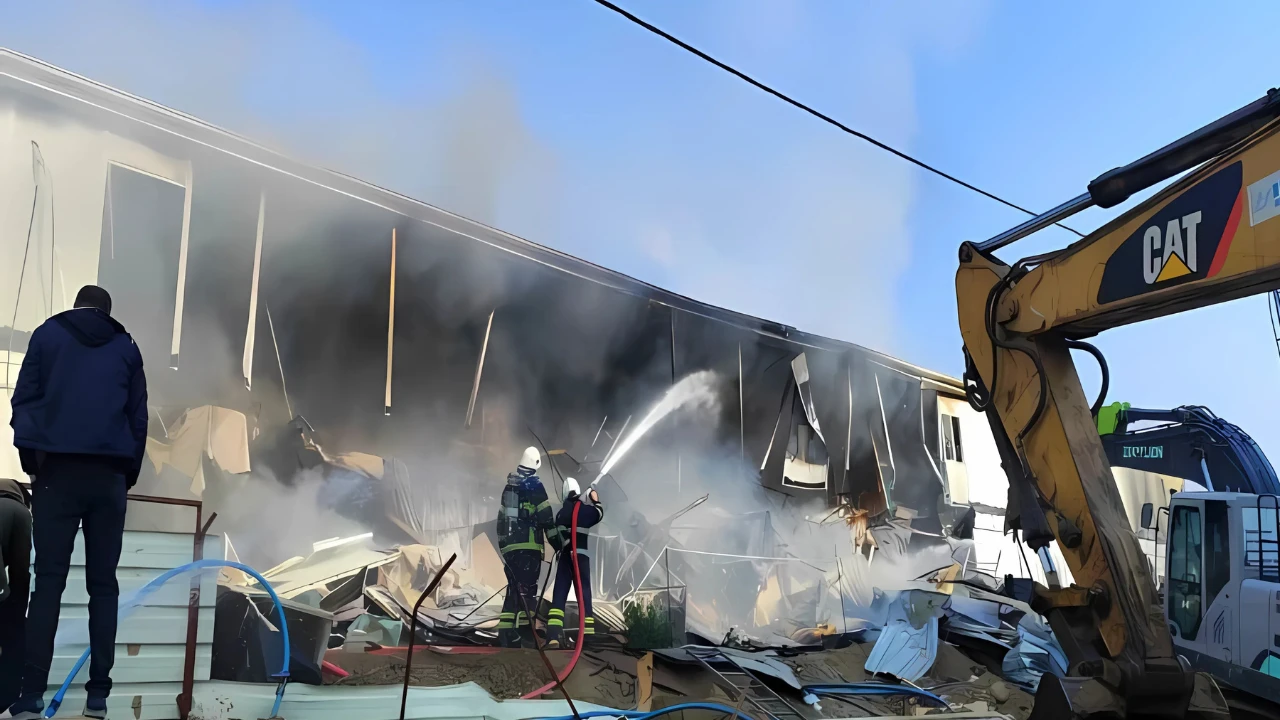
(717, 708)
(875, 689)
(283, 675)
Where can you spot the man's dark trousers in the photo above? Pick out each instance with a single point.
(15, 563)
(70, 491)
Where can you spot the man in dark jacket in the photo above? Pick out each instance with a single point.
(589, 515)
(80, 426)
(15, 584)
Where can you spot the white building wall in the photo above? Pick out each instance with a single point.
(987, 484)
(988, 488)
(39, 277)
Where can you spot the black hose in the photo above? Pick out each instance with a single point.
(542, 653)
(992, 309)
(976, 401)
(551, 569)
(1102, 367)
(975, 391)
(512, 584)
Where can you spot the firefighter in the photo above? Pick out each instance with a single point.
(589, 515)
(524, 520)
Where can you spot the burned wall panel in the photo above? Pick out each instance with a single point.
(573, 352)
(766, 394)
(223, 230)
(829, 378)
(445, 293)
(326, 274)
(870, 456)
(918, 487)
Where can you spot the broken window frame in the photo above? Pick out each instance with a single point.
(955, 432)
(800, 444)
(952, 449)
(184, 180)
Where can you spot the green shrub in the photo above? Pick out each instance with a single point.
(648, 627)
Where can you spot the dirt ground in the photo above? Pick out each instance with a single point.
(608, 677)
(504, 674)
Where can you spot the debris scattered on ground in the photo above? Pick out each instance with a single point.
(947, 638)
(349, 607)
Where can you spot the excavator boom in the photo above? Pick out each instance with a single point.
(1210, 237)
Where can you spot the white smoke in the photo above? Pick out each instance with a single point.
(800, 226)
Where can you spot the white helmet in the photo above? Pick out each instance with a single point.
(531, 459)
(570, 488)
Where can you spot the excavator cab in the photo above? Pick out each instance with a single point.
(1222, 596)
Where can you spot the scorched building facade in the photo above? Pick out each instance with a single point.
(297, 323)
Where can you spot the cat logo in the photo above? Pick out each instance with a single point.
(1186, 240)
(1170, 252)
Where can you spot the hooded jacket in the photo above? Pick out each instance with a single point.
(81, 391)
(11, 490)
(15, 550)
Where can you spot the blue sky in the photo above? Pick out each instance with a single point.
(563, 123)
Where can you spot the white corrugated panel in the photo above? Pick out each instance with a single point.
(219, 700)
(467, 701)
(150, 640)
(998, 554)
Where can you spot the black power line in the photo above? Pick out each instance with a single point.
(827, 118)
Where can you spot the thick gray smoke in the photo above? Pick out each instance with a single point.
(791, 223)
(470, 151)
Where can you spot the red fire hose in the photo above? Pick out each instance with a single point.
(582, 616)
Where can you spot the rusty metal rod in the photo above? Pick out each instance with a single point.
(186, 698)
(413, 630)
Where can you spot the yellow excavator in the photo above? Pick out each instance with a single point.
(1211, 236)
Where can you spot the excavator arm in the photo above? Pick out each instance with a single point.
(1188, 442)
(1210, 237)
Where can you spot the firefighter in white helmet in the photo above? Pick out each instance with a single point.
(524, 520)
(589, 515)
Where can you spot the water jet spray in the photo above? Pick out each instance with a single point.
(697, 390)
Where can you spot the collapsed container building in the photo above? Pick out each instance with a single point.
(329, 358)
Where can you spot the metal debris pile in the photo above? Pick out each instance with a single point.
(945, 645)
(906, 623)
